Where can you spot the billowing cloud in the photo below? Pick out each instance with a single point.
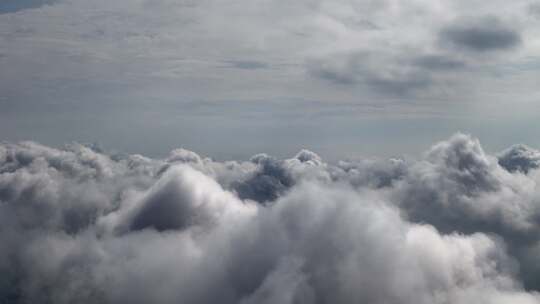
(80, 225)
(520, 158)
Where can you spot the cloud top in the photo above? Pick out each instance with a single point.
(81, 225)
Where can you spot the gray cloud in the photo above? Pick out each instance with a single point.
(482, 34)
(534, 9)
(382, 75)
(439, 62)
(247, 64)
(519, 158)
(81, 225)
(74, 62)
(11, 6)
(459, 188)
(270, 181)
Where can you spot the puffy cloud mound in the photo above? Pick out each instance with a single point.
(80, 225)
(520, 158)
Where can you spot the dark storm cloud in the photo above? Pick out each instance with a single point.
(79, 225)
(481, 34)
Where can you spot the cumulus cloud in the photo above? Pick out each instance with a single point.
(81, 225)
(267, 183)
(520, 158)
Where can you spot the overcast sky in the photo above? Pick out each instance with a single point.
(232, 78)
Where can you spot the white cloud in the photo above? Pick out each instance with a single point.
(82, 225)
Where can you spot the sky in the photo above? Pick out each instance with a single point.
(229, 79)
(269, 152)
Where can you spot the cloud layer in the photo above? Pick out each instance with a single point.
(80, 225)
(94, 71)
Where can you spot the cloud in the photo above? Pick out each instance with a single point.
(381, 74)
(481, 34)
(534, 9)
(175, 57)
(267, 183)
(81, 225)
(182, 198)
(11, 6)
(460, 188)
(519, 158)
(247, 64)
(439, 62)
(183, 156)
